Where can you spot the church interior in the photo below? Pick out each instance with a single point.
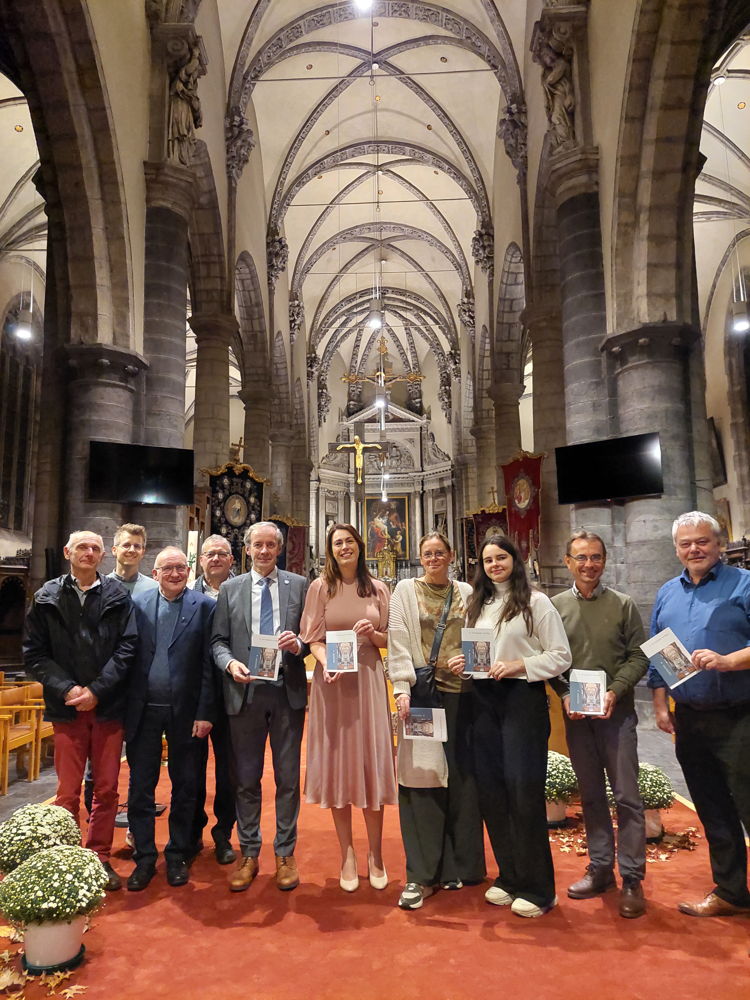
(380, 262)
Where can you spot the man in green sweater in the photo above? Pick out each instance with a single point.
(605, 632)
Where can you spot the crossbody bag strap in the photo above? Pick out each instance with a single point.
(440, 630)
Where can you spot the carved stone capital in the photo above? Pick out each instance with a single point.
(512, 128)
(483, 249)
(105, 363)
(313, 363)
(172, 186)
(466, 312)
(216, 328)
(652, 342)
(277, 254)
(296, 316)
(504, 393)
(574, 171)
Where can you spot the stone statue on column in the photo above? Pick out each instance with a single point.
(184, 107)
(552, 49)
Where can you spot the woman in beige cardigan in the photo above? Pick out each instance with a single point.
(441, 824)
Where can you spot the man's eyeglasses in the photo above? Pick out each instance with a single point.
(172, 568)
(583, 559)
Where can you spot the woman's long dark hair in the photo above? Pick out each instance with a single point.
(519, 595)
(331, 571)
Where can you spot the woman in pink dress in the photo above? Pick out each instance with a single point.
(349, 739)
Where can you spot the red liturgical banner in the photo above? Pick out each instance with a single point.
(523, 480)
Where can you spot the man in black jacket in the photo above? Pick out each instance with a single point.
(80, 642)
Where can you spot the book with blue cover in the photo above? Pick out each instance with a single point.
(588, 690)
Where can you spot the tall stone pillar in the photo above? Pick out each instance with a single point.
(213, 335)
(100, 408)
(281, 466)
(301, 468)
(170, 195)
(652, 372)
(505, 396)
(483, 434)
(588, 403)
(549, 433)
(257, 428)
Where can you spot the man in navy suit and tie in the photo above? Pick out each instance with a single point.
(172, 693)
(269, 601)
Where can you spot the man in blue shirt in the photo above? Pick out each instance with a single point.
(708, 609)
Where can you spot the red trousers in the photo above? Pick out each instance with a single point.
(88, 738)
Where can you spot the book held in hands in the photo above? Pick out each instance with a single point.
(265, 657)
(670, 658)
(341, 652)
(588, 690)
(476, 645)
(426, 724)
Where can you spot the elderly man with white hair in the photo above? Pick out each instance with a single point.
(708, 608)
(80, 643)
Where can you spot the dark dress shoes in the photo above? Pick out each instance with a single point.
(632, 902)
(114, 882)
(594, 883)
(224, 852)
(177, 873)
(140, 877)
(712, 906)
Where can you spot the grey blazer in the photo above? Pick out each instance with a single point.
(232, 635)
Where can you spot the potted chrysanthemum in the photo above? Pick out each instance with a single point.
(657, 793)
(560, 787)
(49, 897)
(34, 828)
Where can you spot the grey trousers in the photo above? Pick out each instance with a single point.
(267, 716)
(611, 745)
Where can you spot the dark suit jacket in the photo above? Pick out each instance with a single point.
(190, 663)
(233, 631)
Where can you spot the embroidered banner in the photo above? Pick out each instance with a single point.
(523, 481)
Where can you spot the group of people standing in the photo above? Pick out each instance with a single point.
(175, 661)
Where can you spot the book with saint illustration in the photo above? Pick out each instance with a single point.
(426, 724)
(341, 652)
(588, 689)
(476, 645)
(265, 657)
(670, 658)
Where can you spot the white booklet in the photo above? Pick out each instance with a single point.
(670, 658)
(426, 724)
(477, 647)
(341, 652)
(265, 657)
(588, 689)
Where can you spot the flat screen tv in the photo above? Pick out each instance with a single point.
(615, 469)
(135, 473)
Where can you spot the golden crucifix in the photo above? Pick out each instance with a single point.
(380, 378)
(359, 447)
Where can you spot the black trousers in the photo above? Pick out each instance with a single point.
(511, 730)
(442, 827)
(224, 790)
(267, 716)
(144, 759)
(713, 748)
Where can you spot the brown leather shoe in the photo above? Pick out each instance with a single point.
(594, 883)
(287, 876)
(243, 875)
(712, 906)
(632, 903)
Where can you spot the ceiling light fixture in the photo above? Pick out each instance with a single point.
(740, 316)
(24, 325)
(363, 5)
(720, 79)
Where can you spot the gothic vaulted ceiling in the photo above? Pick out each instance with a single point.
(377, 131)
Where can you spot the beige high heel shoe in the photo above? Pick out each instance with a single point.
(376, 881)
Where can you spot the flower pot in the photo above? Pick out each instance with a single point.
(556, 812)
(654, 827)
(53, 946)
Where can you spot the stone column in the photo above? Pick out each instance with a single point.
(281, 465)
(505, 396)
(652, 372)
(313, 535)
(170, 196)
(588, 392)
(549, 433)
(213, 334)
(257, 428)
(483, 434)
(100, 408)
(301, 468)
(418, 516)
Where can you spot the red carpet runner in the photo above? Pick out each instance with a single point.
(201, 942)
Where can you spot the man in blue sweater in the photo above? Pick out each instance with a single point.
(708, 608)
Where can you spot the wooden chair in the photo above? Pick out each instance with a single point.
(34, 695)
(19, 726)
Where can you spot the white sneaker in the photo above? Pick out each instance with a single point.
(498, 896)
(524, 908)
(413, 895)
